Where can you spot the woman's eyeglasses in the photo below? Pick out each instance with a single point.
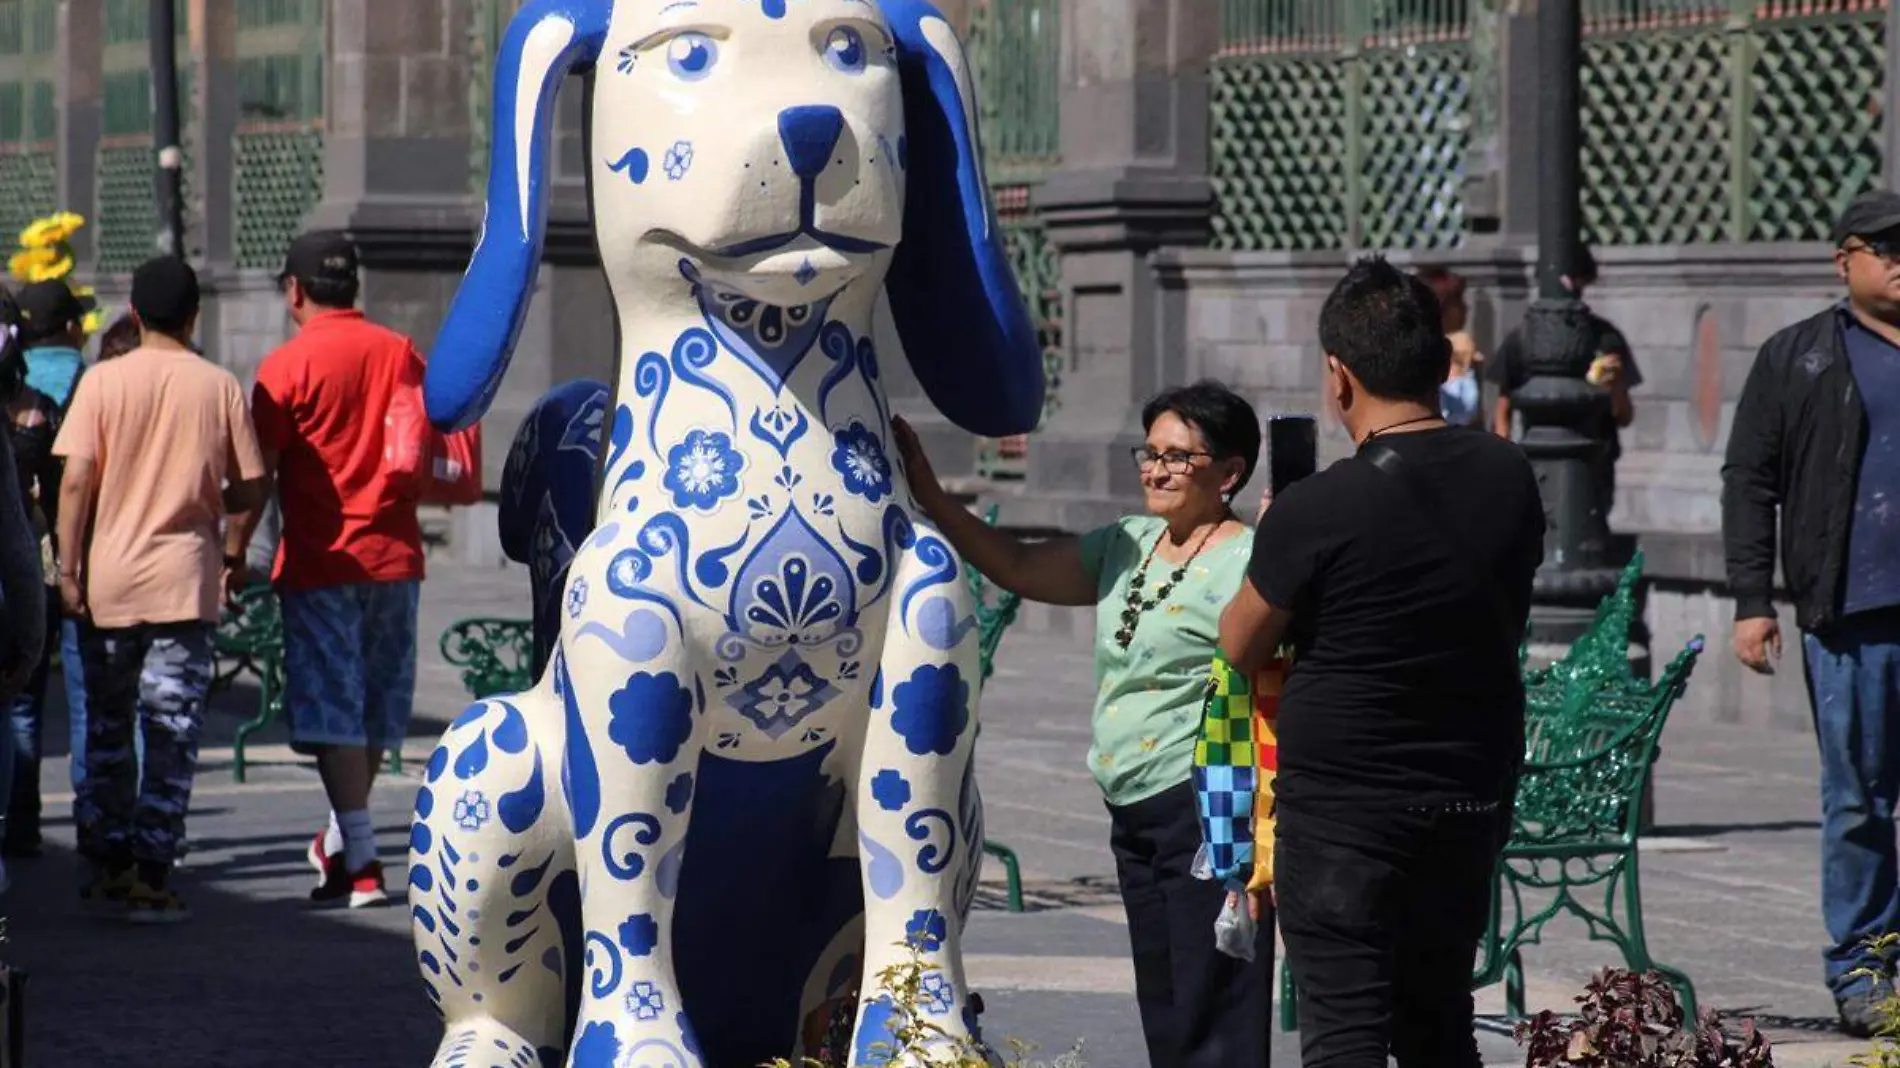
(1174, 461)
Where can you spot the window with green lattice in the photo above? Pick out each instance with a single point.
(12, 112)
(277, 165)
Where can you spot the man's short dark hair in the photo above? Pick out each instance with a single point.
(1586, 267)
(165, 296)
(1227, 423)
(1387, 328)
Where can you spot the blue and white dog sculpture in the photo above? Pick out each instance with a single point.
(744, 781)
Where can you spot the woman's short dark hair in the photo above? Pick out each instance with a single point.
(1224, 419)
(1387, 328)
(120, 338)
(1446, 284)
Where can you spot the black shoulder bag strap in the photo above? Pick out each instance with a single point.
(1386, 459)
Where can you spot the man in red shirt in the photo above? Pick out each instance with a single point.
(349, 563)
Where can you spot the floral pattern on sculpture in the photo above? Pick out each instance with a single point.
(858, 455)
(703, 470)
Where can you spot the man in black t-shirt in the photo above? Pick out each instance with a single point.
(1402, 579)
(1614, 371)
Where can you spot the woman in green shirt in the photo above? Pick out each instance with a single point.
(1159, 582)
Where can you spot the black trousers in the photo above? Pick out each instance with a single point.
(1381, 913)
(1199, 1007)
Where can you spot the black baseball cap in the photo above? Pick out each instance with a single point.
(320, 256)
(165, 293)
(47, 309)
(1873, 212)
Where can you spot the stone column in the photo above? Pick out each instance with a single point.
(211, 117)
(80, 92)
(1134, 177)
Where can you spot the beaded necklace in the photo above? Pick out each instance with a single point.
(1138, 605)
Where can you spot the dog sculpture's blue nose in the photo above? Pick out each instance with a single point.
(809, 134)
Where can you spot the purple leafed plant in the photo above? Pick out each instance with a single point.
(1626, 1020)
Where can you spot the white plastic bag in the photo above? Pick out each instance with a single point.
(1234, 930)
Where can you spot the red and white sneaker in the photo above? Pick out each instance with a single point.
(332, 878)
(362, 889)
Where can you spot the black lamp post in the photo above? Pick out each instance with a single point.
(165, 128)
(1564, 415)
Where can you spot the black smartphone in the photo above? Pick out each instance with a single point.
(1292, 450)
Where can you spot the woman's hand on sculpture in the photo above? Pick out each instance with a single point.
(924, 486)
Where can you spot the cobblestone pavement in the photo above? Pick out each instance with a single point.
(257, 979)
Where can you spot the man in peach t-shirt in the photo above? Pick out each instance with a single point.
(159, 450)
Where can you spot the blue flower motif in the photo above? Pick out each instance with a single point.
(936, 994)
(859, 456)
(926, 930)
(598, 1046)
(472, 811)
(891, 790)
(652, 717)
(703, 470)
(639, 935)
(628, 56)
(931, 709)
(783, 696)
(679, 793)
(645, 1002)
(577, 597)
(678, 160)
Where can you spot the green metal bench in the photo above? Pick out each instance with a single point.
(1591, 737)
(494, 655)
(250, 638)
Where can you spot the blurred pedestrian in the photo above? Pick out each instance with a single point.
(1814, 454)
(51, 332)
(1157, 581)
(349, 567)
(24, 617)
(159, 449)
(1402, 578)
(1459, 399)
(1613, 370)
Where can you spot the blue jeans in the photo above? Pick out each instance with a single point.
(1854, 684)
(26, 730)
(75, 678)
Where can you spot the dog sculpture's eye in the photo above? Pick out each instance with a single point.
(844, 50)
(692, 56)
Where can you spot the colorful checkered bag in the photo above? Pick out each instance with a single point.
(1235, 763)
(1267, 684)
(1225, 776)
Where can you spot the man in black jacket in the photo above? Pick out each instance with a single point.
(1815, 448)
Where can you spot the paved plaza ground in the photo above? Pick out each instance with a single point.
(257, 980)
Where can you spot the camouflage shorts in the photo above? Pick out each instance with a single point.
(150, 679)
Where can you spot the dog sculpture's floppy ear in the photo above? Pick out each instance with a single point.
(546, 41)
(952, 293)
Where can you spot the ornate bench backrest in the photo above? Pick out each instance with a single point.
(1588, 743)
(253, 626)
(992, 619)
(495, 655)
